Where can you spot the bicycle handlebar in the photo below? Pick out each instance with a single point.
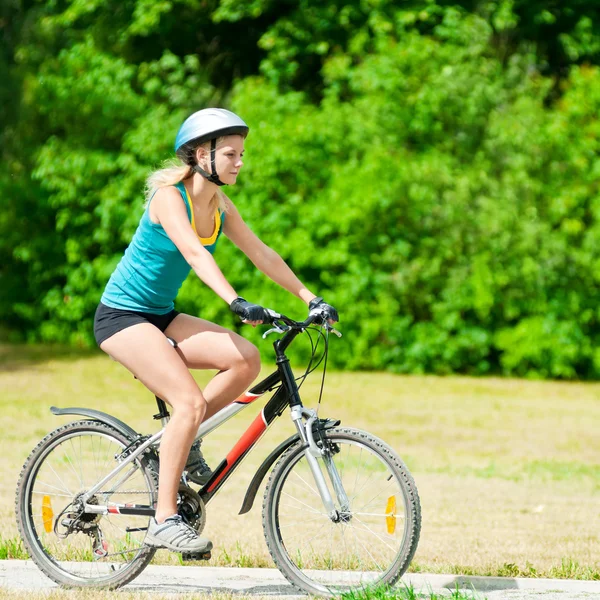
(289, 323)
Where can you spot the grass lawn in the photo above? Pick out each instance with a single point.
(508, 471)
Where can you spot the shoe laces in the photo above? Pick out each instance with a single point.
(190, 533)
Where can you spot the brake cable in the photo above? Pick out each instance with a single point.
(325, 354)
(314, 348)
(323, 357)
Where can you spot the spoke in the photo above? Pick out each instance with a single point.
(65, 488)
(357, 470)
(70, 463)
(110, 455)
(331, 550)
(303, 533)
(109, 521)
(306, 483)
(94, 456)
(51, 494)
(316, 512)
(319, 518)
(80, 452)
(98, 479)
(133, 550)
(304, 504)
(365, 548)
(79, 463)
(362, 487)
(105, 457)
(364, 514)
(318, 534)
(367, 528)
(102, 460)
(348, 551)
(341, 469)
(121, 481)
(377, 495)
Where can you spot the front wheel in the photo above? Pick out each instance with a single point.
(372, 536)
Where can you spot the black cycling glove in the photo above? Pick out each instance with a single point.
(248, 311)
(329, 312)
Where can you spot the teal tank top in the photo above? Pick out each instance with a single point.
(152, 269)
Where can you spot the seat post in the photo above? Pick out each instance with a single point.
(163, 413)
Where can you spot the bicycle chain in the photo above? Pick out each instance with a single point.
(121, 492)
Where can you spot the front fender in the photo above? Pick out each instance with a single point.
(262, 471)
(98, 416)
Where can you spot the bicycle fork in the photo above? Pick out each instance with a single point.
(312, 452)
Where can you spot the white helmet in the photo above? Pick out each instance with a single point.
(202, 126)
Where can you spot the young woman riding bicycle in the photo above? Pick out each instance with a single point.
(185, 214)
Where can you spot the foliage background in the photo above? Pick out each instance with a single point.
(430, 167)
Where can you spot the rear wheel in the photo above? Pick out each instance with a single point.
(373, 536)
(73, 548)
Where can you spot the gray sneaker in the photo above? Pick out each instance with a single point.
(197, 470)
(175, 535)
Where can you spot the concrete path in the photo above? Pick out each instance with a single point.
(24, 575)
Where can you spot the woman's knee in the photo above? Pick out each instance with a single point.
(189, 406)
(250, 359)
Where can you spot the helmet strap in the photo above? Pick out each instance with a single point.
(212, 177)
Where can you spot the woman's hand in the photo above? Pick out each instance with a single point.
(253, 314)
(328, 311)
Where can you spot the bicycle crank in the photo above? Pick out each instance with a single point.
(192, 509)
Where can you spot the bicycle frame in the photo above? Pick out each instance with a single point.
(286, 395)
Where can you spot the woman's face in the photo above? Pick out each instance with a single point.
(228, 158)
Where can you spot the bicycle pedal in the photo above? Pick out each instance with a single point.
(197, 556)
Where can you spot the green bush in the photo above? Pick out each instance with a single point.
(433, 183)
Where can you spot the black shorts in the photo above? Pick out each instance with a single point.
(109, 321)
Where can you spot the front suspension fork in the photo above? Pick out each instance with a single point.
(312, 452)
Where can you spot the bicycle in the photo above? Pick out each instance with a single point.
(340, 509)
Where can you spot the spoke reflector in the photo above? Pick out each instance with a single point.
(390, 511)
(47, 513)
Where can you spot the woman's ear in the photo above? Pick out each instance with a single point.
(201, 155)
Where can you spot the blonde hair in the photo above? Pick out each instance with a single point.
(174, 171)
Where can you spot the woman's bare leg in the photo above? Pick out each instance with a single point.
(204, 345)
(146, 352)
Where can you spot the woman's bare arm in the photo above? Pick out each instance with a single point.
(264, 258)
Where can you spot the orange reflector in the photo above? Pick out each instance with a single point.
(47, 513)
(390, 512)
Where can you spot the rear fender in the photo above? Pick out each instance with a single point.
(97, 415)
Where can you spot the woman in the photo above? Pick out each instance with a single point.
(185, 214)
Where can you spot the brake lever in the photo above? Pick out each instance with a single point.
(276, 329)
(325, 324)
(333, 330)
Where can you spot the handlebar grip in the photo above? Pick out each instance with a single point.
(274, 316)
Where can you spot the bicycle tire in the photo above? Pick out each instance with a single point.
(32, 534)
(304, 576)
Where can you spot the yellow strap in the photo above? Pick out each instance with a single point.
(213, 238)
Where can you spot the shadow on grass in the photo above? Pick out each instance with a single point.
(14, 357)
